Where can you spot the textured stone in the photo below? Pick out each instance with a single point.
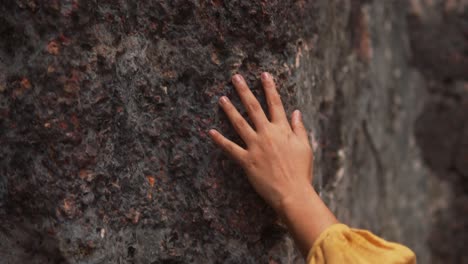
(105, 107)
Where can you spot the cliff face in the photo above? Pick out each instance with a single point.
(105, 107)
(439, 39)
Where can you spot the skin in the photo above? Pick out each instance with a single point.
(278, 160)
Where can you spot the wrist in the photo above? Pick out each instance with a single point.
(306, 216)
(300, 197)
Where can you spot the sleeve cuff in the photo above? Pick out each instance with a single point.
(338, 227)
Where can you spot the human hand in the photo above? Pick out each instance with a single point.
(278, 158)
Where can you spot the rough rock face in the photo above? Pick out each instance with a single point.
(439, 38)
(105, 106)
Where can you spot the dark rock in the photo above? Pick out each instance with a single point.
(105, 107)
(439, 39)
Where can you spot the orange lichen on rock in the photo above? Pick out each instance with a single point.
(133, 215)
(86, 175)
(72, 84)
(150, 180)
(53, 47)
(69, 208)
(25, 84)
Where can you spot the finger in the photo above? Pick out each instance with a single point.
(243, 128)
(275, 106)
(231, 148)
(251, 103)
(298, 126)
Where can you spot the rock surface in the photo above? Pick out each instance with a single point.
(439, 38)
(105, 107)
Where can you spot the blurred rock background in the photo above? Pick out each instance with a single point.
(105, 107)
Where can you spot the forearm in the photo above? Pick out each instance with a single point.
(306, 216)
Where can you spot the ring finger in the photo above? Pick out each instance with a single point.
(243, 128)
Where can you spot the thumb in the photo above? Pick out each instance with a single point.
(297, 125)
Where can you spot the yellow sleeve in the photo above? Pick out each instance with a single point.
(341, 244)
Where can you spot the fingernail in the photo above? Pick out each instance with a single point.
(298, 115)
(223, 100)
(212, 132)
(265, 76)
(237, 78)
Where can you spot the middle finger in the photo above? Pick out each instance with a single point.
(253, 107)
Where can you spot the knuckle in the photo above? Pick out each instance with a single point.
(253, 107)
(275, 101)
(268, 140)
(223, 142)
(243, 87)
(237, 119)
(250, 163)
(242, 90)
(298, 125)
(242, 159)
(286, 129)
(239, 122)
(229, 148)
(269, 85)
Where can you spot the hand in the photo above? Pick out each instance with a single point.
(278, 158)
(278, 161)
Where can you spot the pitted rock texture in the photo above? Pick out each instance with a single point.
(105, 107)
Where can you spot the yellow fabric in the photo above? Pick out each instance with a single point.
(341, 244)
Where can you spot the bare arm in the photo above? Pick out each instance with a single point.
(277, 160)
